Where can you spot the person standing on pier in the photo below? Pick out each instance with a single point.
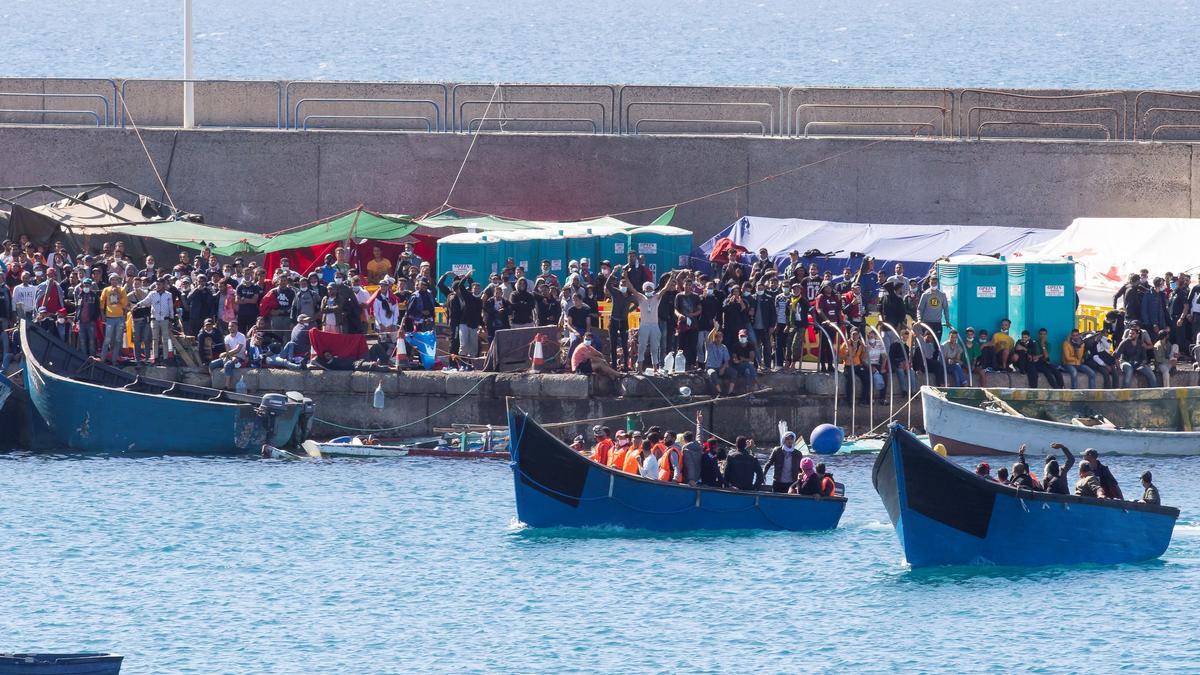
(115, 305)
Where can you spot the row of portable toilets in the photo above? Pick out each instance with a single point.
(1031, 295)
(485, 253)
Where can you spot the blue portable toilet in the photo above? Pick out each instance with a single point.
(613, 243)
(477, 252)
(551, 246)
(1042, 295)
(665, 247)
(582, 243)
(522, 246)
(976, 293)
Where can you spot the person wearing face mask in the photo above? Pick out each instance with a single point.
(618, 289)
(202, 305)
(933, 308)
(546, 276)
(762, 321)
(716, 363)
(587, 360)
(741, 360)
(782, 349)
(523, 305)
(649, 334)
(600, 282)
(785, 460)
(712, 301)
(853, 355)
(687, 316)
(735, 314)
(496, 310)
(1073, 360)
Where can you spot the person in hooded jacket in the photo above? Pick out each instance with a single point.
(891, 307)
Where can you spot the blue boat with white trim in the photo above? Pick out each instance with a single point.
(944, 514)
(557, 487)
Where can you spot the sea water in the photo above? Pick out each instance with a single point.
(929, 43)
(222, 565)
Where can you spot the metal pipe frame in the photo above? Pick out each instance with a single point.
(892, 389)
(938, 340)
(86, 96)
(762, 128)
(624, 127)
(471, 125)
(291, 122)
(625, 112)
(962, 94)
(948, 99)
(428, 126)
(907, 357)
(869, 106)
(1030, 111)
(1161, 127)
(460, 114)
(1143, 119)
(612, 93)
(932, 127)
(52, 111)
(1070, 125)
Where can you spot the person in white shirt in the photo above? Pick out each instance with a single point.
(162, 311)
(25, 297)
(901, 281)
(235, 354)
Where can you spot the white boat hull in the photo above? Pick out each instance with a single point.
(968, 430)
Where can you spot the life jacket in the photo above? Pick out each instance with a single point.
(616, 458)
(828, 487)
(601, 451)
(658, 449)
(668, 465)
(632, 463)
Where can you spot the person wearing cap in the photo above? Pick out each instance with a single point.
(1103, 474)
(984, 470)
(616, 458)
(1149, 491)
(114, 305)
(603, 446)
(618, 290)
(297, 349)
(1088, 485)
(647, 301)
(1054, 477)
(50, 292)
(1131, 355)
(209, 340)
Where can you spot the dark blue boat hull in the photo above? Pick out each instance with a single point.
(557, 487)
(60, 664)
(946, 515)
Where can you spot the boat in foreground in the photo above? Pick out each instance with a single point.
(90, 406)
(557, 487)
(1113, 421)
(448, 446)
(944, 514)
(60, 664)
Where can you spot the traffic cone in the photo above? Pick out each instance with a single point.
(401, 349)
(539, 356)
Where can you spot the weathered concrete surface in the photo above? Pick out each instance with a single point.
(345, 398)
(269, 179)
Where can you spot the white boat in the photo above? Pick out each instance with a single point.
(357, 447)
(972, 421)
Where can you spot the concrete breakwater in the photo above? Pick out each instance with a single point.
(477, 398)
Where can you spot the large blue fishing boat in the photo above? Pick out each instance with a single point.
(90, 406)
(944, 514)
(558, 487)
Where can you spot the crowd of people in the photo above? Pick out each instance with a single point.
(750, 316)
(1095, 478)
(676, 457)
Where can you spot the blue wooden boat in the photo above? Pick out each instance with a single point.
(90, 406)
(944, 514)
(557, 487)
(60, 664)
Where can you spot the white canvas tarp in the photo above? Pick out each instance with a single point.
(1108, 250)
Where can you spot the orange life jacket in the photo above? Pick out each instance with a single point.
(632, 462)
(667, 466)
(600, 452)
(828, 487)
(616, 458)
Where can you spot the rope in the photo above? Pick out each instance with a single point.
(892, 416)
(146, 150)
(692, 421)
(474, 137)
(407, 424)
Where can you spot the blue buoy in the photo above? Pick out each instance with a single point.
(826, 439)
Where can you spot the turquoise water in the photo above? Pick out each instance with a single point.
(210, 565)
(937, 43)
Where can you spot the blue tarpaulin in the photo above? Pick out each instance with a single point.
(917, 246)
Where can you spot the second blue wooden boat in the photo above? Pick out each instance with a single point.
(557, 487)
(944, 514)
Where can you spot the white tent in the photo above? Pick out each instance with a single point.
(1108, 250)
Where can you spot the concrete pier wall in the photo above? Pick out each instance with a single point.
(271, 179)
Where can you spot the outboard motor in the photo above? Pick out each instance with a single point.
(272, 405)
(304, 425)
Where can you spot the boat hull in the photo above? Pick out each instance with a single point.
(945, 515)
(97, 418)
(557, 487)
(968, 430)
(60, 664)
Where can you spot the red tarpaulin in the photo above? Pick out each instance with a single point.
(305, 260)
(345, 345)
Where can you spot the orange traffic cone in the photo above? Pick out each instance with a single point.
(539, 356)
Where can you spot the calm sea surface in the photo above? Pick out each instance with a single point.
(938, 43)
(210, 565)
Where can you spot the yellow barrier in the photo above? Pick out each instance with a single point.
(1090, 317)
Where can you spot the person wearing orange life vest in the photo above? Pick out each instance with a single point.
(827, 486)
(670, 465)
(616, 459)
(634, 458)
(604, 445)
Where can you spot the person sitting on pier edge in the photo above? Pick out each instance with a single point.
(1150, 492)
(742, 469)
(785, 460)
(603, 445)
(1088, 485)
(741, 361)
(587, 360)
(1074, 360)
(716, 363)
(1039, 362)
(1103, 474)
(809, 483)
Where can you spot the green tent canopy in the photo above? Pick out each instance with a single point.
(195, 236)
